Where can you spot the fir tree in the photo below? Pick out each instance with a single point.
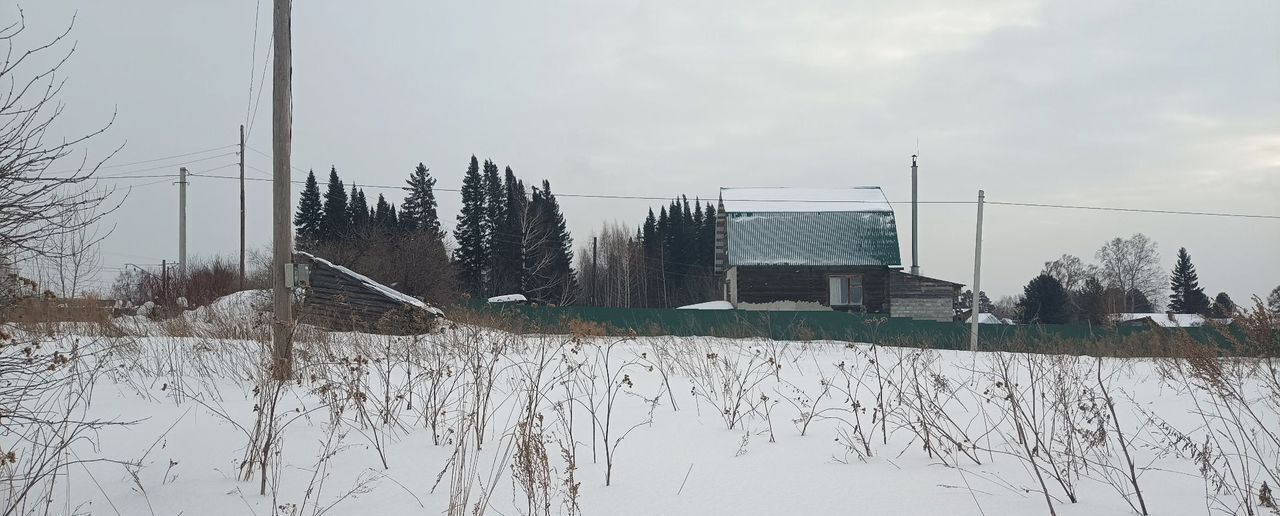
(1187, 296)
(310, 215)
(336, 220)
(707, 242)
(1043, 301)
(1138, 300)
(559, 247)
(508, 236)
(494, 201)
(419, 208)
(985, 306)
(1223, 306)
(1089, 302)
(471, 255)
(358, 209)
(382, 214)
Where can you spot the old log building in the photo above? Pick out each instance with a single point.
(820, 249)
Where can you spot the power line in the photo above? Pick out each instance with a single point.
(1137, 210)
(150, 176)
(661, 198)
(253, 59)
(258, 101)
(153, 160)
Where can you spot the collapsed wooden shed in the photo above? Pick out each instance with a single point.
(340, 299)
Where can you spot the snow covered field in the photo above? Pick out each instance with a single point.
(486, 422)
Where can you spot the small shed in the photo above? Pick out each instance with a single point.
(922, 297)
(341, 299)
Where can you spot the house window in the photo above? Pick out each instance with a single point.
(845, 290)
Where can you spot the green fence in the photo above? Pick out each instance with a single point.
(829, 325)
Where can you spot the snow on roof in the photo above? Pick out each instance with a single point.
(709, 305)
(385, 290)
(509, 298)
(784, 199)
(989, 318)
(1169, 320)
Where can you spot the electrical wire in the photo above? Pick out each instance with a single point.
(153, 160)
(1003, 203)
(1135, 210)
(253, 59)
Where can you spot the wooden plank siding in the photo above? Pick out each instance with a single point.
(767, 284)
(339, 302)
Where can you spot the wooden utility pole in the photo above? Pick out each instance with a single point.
(241, 206)
(281, 237)
(975, 306)
(182, 219)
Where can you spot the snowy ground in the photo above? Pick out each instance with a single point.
(697, 426)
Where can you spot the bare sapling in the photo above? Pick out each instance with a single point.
(1236, 399)
(1006, 388)
(531, 464)
(436, 386)
(614, 377)
(46, 395)
(727, 380)
(1100, 437)
(927, 397)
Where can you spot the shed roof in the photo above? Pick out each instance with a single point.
(812, 238)
(784, 199)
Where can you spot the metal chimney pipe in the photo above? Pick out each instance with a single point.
(915, 217)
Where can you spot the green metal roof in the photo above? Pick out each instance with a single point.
(813, 238)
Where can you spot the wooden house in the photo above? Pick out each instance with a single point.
(337, 298)
(820, 249)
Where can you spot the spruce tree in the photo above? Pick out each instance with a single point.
(335, 223)
(1187, 296)
(559, 248)
(1223, 306)
(1043, 301)
(382, 214)
(310, 215)
(358, 209)
(418, 212)
(471, 255)
(1139, 302)
(508, 236)
(708, 240)
(494, 201)
(1089, 302)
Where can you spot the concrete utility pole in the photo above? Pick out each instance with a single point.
(976, 307)
(915, 226)
(241, 206)
(595, 275)
(281, 237)
(182, 220)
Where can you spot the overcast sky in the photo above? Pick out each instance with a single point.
(1149, 104)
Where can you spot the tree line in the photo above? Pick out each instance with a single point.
(507, 240)
(1127, 278)
(511, 240)
(667, 261)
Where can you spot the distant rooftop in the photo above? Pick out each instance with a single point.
(793, 200)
